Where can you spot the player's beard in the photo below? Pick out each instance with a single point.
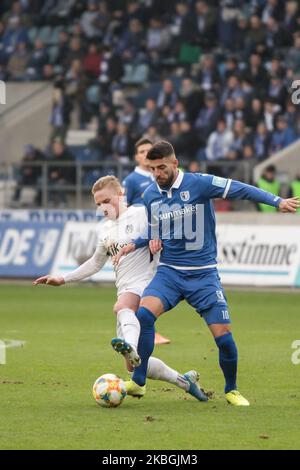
(166, 184)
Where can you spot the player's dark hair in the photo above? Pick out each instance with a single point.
(161, 149)
(141, 142)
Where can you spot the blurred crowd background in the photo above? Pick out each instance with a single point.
(212, 77)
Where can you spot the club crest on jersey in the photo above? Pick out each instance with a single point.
(129, 229)
(185, 196)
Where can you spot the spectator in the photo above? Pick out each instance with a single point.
(272, 9)
(111, 69)
(283, 135)
(194, 167)
(121, 143)
(219, 142)
(168, 96)
(229, 113)
(132, 43)
(148, 116)
(192, 97)
(293, 54)
(232, 90)
(208, 77)
(158, 36)
(106, 136)
(128, 116)
(30, 175)
(277, 91)
(60, 175)
(208, 117)
(199, 27)
(178, 114)
(89, 20)
(75, 52)
(177, 19)
(261, 141)
(39, 58)
(256, 73)
(91, 61)
(271, 110)
(269, 182)
(18, 62)
(290, 22)
(240, 136)
(14, 35)
(60, 115)
(256, 34)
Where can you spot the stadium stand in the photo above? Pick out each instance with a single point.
(215, 78)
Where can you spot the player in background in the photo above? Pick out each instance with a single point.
(133, 274)
(188, 261)
(135, 185)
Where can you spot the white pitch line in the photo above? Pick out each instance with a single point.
(14, 343)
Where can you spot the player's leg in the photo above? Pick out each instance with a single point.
(128, 328)
(228, 353)
(158, 370)
(162, 294)
(205, 293)
(160, 339)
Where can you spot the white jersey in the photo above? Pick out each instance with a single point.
(134, 271)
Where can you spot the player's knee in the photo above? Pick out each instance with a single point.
(116, 308)
(145, 317)
(220, 329)
(227, 345)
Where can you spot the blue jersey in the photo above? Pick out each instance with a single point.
(135, 185)
(183, 217)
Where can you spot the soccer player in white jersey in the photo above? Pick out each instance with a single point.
(133, 274)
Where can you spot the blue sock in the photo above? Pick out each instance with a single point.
(146, 344)
(228, 360)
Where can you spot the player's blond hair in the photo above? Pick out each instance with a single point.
(105, 181)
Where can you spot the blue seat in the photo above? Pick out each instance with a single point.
(32, 34)
(93, 95)
(54, 37)
(53, 52)
(45, 34)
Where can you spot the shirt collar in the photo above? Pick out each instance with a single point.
(142, 172)
(175, 185)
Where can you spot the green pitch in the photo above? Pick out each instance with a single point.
(45, 387)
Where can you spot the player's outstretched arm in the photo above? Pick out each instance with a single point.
(238, 190)
(50, 281)
(289, 205)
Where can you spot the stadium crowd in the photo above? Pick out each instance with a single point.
(212, 77)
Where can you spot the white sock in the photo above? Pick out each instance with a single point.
(130, 326)
(119, 330)
(158, 370)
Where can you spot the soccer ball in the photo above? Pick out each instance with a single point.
(109, 391)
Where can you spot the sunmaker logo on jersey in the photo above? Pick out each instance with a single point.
(178, 222)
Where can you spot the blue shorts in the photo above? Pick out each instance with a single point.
(202, 289)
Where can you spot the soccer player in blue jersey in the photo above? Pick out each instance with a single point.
(135, 185)
(138, 181)
(182, 223)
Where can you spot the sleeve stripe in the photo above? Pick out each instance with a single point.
(227, 189)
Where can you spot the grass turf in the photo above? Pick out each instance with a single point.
(45, 387)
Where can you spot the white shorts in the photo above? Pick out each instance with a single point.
(137, 287)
